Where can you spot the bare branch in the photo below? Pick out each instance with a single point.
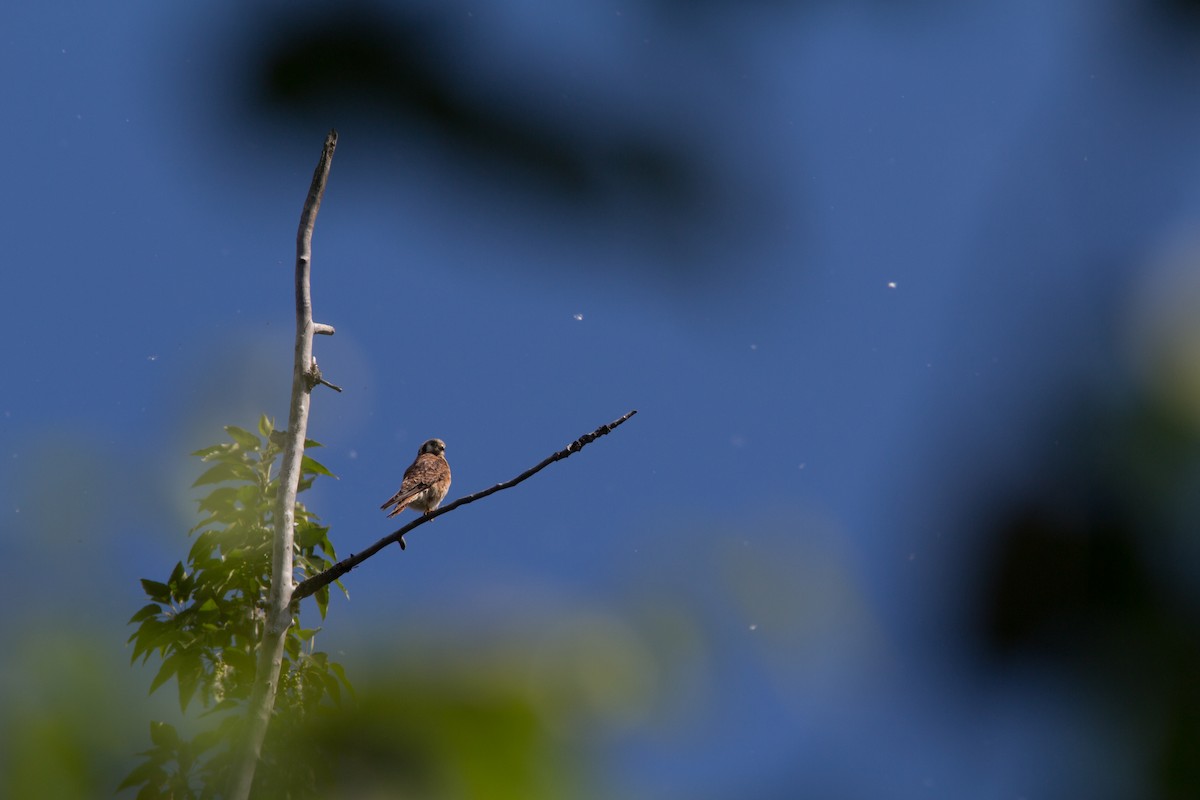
(313, 584)
(279, 617)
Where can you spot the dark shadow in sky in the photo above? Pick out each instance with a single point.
(608, 159)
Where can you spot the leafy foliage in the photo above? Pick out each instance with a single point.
(205, 624)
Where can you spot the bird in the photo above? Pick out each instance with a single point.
(425, 482)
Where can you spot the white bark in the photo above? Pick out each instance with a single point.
(278, 611)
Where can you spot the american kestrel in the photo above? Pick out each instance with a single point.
(425, 482)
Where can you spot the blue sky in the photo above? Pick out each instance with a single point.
(908, 237)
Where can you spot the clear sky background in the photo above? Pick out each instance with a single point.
(879, 278)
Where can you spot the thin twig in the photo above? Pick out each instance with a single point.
(314, 374)
(313, 584)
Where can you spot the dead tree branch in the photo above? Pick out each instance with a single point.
(316, 582)
(305, 376)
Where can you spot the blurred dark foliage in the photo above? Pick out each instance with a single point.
(1178, 12)
(634, 161)
(406, 69)
(1083, 578)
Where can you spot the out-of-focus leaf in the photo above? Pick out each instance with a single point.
(206, 621)
(148, 610)
(144, 636)
(180, 584)
(243, 437)
(203, 546)
(149, 772)
(188, 679)
(165, 637)
(158, 592)
(169, 667)
(332, 688)
(152, 791)
(164, 735)
(340, 672)
(219, 502)
(225, 471)
(207, 452)
(204, 523)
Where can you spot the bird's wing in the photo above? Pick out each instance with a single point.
(405, 494)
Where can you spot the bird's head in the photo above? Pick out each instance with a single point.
(435, 446)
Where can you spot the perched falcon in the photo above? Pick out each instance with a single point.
(425, 482)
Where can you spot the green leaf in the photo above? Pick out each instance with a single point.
(209, 605)
(250, 497)
(322, 598)
(146, 633)
(164, 735)
(219, 502)
(291, 646)
(306, 634)
(331, 686)
(180, 584)
(151, 790)
(163, 638)
(188, 680)
(159, 592)
(309, 535)
(312, 466)
(224, 471)
(205, 453)
(265, 426)
(203, 547)
(169, 667)
(243, 437)
(149, 772)
(204, 523)
(340, 671)
(146, 611)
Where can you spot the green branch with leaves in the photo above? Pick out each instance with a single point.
(205, 622)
